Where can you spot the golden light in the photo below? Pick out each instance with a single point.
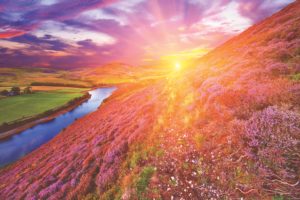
(177, 66)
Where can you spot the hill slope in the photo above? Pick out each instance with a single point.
(227, 128)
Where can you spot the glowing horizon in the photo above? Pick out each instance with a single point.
(135, 32)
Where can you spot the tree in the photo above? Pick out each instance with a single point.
(27, 90)
(15, 91)
(4, 92)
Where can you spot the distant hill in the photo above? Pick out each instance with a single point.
(116, 73)
(39, 76)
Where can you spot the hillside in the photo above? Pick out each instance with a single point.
(227, 128)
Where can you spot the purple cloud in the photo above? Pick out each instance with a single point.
(93, 32)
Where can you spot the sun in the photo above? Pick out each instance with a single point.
(177, 66)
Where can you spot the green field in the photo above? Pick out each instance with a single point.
(18, 107)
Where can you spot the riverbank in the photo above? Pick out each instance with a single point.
(7, 130)
(31, 139)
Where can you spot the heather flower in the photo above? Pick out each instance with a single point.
(278, 68)
(272, 136)
(46, 192)
(106, 177)
(115, 152)
(73, 182)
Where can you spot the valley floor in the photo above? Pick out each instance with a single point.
(16, 109)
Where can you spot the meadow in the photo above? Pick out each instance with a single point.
(52, 88)
(28, 105)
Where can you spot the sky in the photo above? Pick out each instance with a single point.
(89, 33)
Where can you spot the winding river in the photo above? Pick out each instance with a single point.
(25, 142)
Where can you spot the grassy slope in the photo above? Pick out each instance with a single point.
(25, 76)
(17, 107)
(228, 129)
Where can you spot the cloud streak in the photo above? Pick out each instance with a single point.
(90, 33)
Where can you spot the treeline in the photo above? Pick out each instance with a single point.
(58, 84)
(15, 91)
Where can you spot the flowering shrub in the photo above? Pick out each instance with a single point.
(278, 68)
(272, 136)
(45, 193)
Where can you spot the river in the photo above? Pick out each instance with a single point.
(19, 145)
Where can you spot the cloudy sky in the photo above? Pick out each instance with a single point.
(88, 33)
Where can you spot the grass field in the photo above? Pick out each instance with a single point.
(17, 107)
(26, 76)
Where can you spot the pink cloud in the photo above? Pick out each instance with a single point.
(138, 27)
(10, 34)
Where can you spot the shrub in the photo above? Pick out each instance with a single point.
(113, 193)
(27, 90)
(91, 196)
(284, 56)
(15, 90)
(4, 92)
(143, 181)
(277, 198)
(278, 68)
(272, 136)
(107, 177)
(135, 158)
(296, 77)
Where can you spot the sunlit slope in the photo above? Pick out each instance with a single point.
(116, 73)
(226, 129)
